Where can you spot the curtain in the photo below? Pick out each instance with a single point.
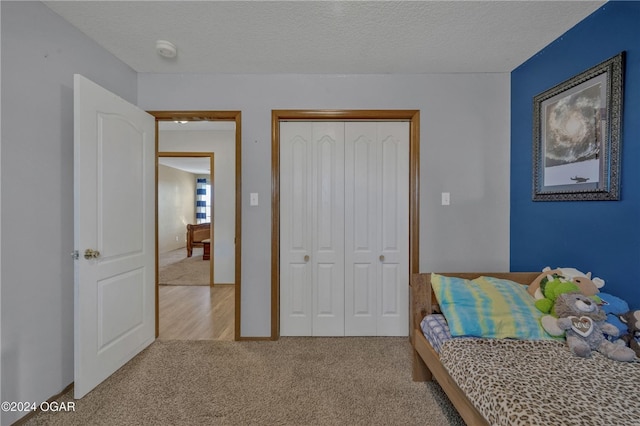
(201, 200)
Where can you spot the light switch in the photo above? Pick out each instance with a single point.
(446, 198)
(253, 199)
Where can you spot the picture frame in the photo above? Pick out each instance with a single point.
(577, 134)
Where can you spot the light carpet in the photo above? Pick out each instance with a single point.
(175, 268)
(292, 381)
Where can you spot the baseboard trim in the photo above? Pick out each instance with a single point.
(29, 416)
(242, 338)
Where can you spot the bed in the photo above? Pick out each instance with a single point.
(520, 381)
(198, 236)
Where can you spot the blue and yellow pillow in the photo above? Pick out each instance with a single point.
(488, 307)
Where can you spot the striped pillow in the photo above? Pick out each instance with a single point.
(488, 307)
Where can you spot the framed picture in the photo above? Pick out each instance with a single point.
(576, 136)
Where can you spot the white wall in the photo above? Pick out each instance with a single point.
(464, 150)
(222, 144)
(40, 54)
(176, 207)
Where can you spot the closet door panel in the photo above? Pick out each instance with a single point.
(296, 150)
(361, 233)
(298, 293)
(327, 228)
(363, 294)
(393, 290)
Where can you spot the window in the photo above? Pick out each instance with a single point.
(203, 201)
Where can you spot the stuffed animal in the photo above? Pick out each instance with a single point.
(551, 287)
(632, 336)
(614, 307)
(587, 285)
(584, 324)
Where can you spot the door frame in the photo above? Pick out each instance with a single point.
(236, 117)
(195, 154)
(411, 116)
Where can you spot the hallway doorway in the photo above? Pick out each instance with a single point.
(194, 311)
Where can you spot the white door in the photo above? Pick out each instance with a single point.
(295, 230)
(311, 229)
(114, 154)
(327, 229)
(377, 235)
(344, 228)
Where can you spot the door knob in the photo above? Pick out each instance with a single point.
(382, 258)
(91, 254)
(306, 257)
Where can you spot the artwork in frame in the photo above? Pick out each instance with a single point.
(576, 136)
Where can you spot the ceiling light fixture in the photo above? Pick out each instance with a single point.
(166, 49)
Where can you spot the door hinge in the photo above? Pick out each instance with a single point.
(75, 254)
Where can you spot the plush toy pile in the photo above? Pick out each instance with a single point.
(618, 320)
(551, 283)
(585, 326)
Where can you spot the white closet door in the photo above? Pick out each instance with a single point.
(377, 228)
(393, 293)
(327, 257)
(344, 228)
(311, 229)
(362, 264)
(295, 229)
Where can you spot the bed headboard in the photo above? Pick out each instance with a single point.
(423, 301)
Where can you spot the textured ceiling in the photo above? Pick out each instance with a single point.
(325, 37)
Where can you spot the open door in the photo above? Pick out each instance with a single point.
(114, 200)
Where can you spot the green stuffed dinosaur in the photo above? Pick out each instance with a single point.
(551, 287)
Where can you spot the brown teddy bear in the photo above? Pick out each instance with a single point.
(632, 320)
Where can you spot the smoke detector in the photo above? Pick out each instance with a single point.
(166, 49)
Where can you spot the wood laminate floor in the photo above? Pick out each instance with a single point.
(197, 312)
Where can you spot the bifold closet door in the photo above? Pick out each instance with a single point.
(376, 228)
(311, 229)
(344, 228)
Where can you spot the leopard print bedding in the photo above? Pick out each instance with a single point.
(520, 382)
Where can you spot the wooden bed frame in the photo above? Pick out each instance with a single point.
(426, 362)
(195, 236)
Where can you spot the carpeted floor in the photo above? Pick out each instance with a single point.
(175, 268)
(292, 381)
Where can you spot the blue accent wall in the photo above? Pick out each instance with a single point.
(598, 236)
